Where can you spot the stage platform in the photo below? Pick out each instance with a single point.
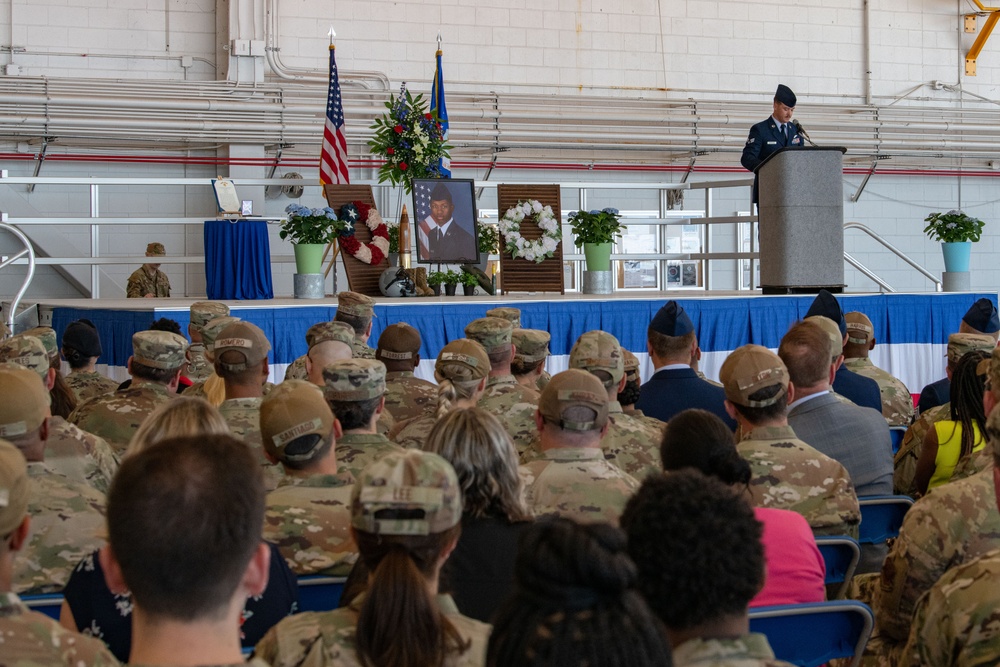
(911, 330)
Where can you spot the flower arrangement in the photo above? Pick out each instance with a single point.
(393, 229)
(310, 225)
(953, 227)
(595, 226)
(489, 239)
(410, 139)
(534, 251)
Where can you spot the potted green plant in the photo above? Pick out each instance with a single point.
(469, 282)
(435, 279)
(451, 280)
(957, 232)
(393, 229)
(597, 231)
(310, 230)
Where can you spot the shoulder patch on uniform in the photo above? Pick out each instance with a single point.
(751, 140)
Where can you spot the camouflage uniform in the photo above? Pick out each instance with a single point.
(788, 474)
(632, 444)
(81, 456)
(905, 461)
(67, 523)
(750, 650)
(202, 312)
(897, 404)
(361, 350)
(578, 483)
(88, 384)
(504, 399)
(31, 639)
(141, 283)
(956, 622)
(412, 434)
(199, 369)
(356, 450)
(116, 417)
(297, 369)
(325, 639)
(972, 463)
(407, 396)
(243, 417)
(308, 518)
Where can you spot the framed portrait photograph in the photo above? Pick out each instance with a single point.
(446, 223)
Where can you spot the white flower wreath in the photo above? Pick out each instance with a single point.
(539, 249)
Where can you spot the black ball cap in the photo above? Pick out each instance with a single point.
(671, 320)
(82, 336)
(983, 316)
(785, 95)
(826, 305)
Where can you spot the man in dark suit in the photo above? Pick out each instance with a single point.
(769, 135)
(445, 239)
(675, 386)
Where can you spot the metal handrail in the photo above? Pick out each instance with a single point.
(30, 252)
(868, 272)
(938, 287)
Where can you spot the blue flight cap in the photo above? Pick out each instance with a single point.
(785, 95)
(827, 306)
(671, 320)
(982, 317)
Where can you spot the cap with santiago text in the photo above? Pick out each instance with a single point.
(749, 369)
(290, 411)
(574, 388)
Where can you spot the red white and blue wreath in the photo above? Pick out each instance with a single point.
(369, 253)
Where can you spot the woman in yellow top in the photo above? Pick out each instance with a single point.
(952, 439)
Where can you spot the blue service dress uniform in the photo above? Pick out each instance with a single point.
(764, 139)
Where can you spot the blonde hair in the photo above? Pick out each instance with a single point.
(480, 449)
(182, 416)
(215, 390)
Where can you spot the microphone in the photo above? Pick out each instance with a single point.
(801, 130)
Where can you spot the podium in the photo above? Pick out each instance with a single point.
(801, 218)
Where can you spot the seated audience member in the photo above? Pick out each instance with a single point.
(701, 580)
(326, 342)
(461, 371)
(81, 348)
(953, 439)
(201, 313)
(512, 315)
(355, 391)
(675, 386)
(955, 623)
(406, 396)
(897, 404)
(572, 478)
(155, 366)
(630, 393)
(574, 603)
(90, 606)
(980, 320)
(309, 513)
(532, 351)
(67, 516)
(184, 525)
(63, 398)
(406, 512)
(212, 389)
(480, 571)
(787, 473)
(174, 327)
(29, 637)
(357, 310)
(795, 569)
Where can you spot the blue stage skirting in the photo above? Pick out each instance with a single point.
(911, 330)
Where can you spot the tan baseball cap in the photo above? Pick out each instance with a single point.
(26, 351)
(327, 331)
(15, 489)
(399, 342)
(49, 340)
(155, 250)
(421, 483)
(355, 304)
(354, 380)
(859, 328)
(512, 315)
(493, 333)
(530, 345)
(159, 349)
(598, 351)
(574, 388)
(961, 343)
(203, 312)
(24, 402)
(293, 409)
(246, 338)
(462, 359)
(211, 331)
(631, 365)
(832, 330)
(749, 369)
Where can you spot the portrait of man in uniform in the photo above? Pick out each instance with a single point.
(446, 214)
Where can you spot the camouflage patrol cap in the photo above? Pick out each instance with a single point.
(159, 349)
(749, 369)
(598, 351)
(293, 409)
(211, 331)
(832, 330)
(82, 336)
(631, 365)
(24, 402)
(49, 339)
(355, 304)
(493, 333)
(422, 484)
(574, 388)
(354, 380)
(462, 359)
(530, 345)
(155, 250)
(512, 315)
(15, 489)
(202, 312)
(26, 351)
(859, 328)
(327, 331)
(961, 343)
(398, 341)
(246, 338)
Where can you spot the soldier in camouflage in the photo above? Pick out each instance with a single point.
(897, 404)
(406, 396)
(513, 315)
(156, 365)
(326, 342)
(148, 281)
(212, 388)
(81, 347)
(357, 310)
(67, 516)
(788, 474)
(532, 351)
(31, 638)
(202, 312)
(572, 478)
(309, 515)
(355, 391)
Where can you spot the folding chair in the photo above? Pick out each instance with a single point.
(809, 635)
(320, 593)
(897, 433)
(49, 604)
(841, 555)
(881, 517)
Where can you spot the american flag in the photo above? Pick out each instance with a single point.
(333, 159)
(422, 206)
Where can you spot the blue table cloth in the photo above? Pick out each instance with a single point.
(237, 260)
